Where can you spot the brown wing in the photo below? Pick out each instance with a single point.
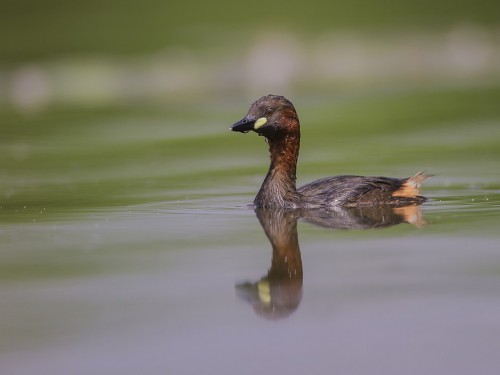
(395, 192)
(351, 191)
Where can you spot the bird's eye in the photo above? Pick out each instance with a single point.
(269, 109)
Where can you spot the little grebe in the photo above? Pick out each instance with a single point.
(275, 118)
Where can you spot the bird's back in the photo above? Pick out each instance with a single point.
(350, 191)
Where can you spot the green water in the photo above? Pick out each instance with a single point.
(125, 233)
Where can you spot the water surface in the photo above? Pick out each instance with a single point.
(126, 251)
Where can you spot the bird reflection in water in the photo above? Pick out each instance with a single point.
(278, 294)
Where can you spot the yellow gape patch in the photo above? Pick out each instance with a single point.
(260, 122)
(264, 290)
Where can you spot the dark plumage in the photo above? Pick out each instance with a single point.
(275, 118)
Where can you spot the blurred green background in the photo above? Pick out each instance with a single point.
(30, 30)
(106, 103)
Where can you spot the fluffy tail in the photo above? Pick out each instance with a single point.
(411, 186)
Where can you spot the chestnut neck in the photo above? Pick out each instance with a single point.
(278, 188)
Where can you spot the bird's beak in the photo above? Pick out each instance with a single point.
(243, 126)
(246, 124)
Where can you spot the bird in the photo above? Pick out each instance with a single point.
(275, 118)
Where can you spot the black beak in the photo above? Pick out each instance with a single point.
(243, 126)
